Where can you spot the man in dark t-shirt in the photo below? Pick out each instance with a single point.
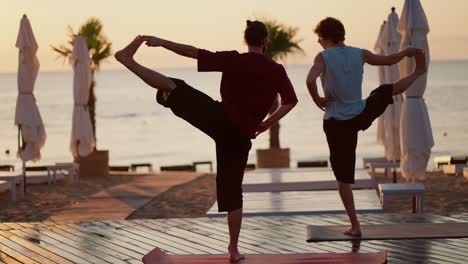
(250, 83)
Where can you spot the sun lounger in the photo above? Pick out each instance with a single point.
(9, 186)
(365, 161)
(71, 170)
(312, 163)
(196, 163)
(416, 191)
(13, 179)
(451, 165)
(387, 166)
(277, 180)
(303, 202)
(119, 168)
(187, 167)
(448, 160)
(7, 168)
(135, 166)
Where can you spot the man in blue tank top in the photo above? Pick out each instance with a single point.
(340, 69)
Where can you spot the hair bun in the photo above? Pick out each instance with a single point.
(249, 22)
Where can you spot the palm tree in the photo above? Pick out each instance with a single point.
(99, 49)
(281, 42)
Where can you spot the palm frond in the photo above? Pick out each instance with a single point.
(98, 44)
(282, 40)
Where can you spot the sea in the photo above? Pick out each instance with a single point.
(135, 129)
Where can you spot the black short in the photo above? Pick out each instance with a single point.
(232, 148)
(342, 135)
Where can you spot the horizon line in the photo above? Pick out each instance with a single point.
(194, 67)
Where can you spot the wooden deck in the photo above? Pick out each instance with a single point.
(127, 241)
(279, 180)
(303, 202)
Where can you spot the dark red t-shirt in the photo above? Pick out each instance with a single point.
(249, 85)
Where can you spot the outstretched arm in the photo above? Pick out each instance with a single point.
(181, 49)
(374, 59)
(317, 69)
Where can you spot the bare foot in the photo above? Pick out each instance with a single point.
(156, 256)
(420, 59)
(126, 54)
(234, 255)
(353, 231)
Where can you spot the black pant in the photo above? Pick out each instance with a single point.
(342, 135)
(232, 148)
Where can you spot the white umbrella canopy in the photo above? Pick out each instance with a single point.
(416, 132)
(82, 131)
(27, 116)
(379, 49)
(391, 117)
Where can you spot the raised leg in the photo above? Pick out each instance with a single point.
(404, 83)
(150, 77)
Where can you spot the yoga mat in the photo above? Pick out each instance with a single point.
(389, 231)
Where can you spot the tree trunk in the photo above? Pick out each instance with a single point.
(92, 106)
(274, 130)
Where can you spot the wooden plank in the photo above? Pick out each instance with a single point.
(305, 202)
(75, 240)
(23, 249)
(105, 242)
(16, 255)
(185, 234)
(51, 245)
(245, 244)
(149, 241)
(390, 231)
(126, 244)
(137, 244)
(170, 240)
(7, 259)
(244, 238)
(33, 247)
(81, 249)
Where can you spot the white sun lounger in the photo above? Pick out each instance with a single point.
(305, 202)
(278, 180)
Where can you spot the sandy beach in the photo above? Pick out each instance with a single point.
(184, 195)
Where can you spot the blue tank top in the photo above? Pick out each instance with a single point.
(343, 80)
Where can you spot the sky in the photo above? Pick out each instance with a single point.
(216, 25)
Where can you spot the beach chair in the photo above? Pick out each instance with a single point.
(185, 167)
(312, 163)
(365, 161)
(9, 186)
(12, 179)
(416, 191)
(300, 179)
(7, 167)
(451, 165)
(69, 170)
(135, 166)
(387, 166)
(302, 203)
(119, 168)
(209, 163)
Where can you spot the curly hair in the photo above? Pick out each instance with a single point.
(331, 29)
